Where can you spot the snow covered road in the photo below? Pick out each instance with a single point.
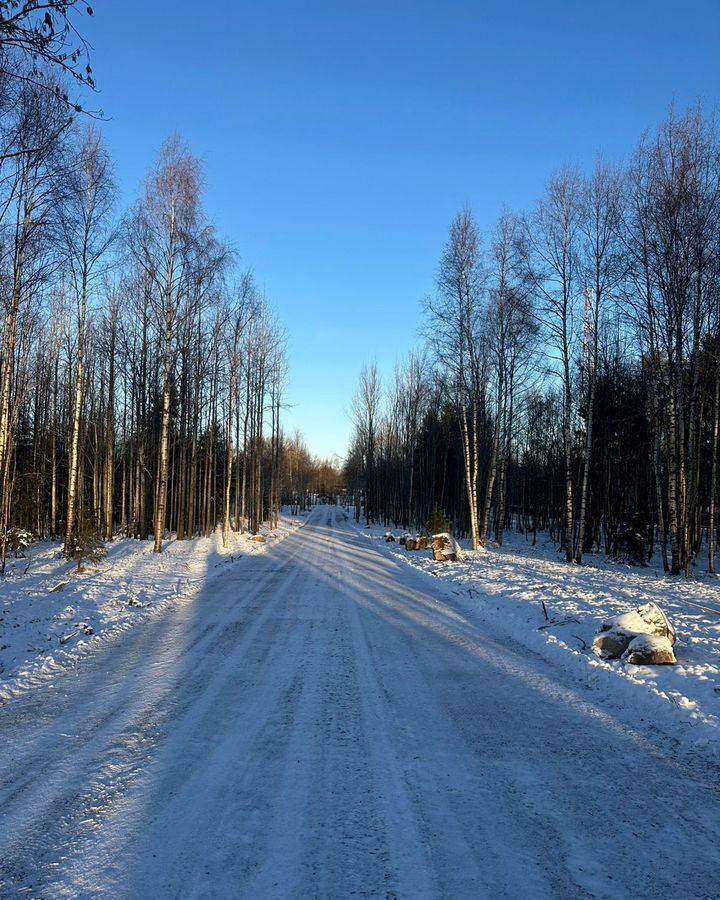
(320, 723)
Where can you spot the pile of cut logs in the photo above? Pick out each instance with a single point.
(444, 547)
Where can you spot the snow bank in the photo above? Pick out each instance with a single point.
(51, 616)
(536, 599)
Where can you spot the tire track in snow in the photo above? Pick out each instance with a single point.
(340, 730)
(116, 744)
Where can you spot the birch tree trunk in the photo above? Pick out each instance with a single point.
(713, 475)
(164, 447)
(110, 431)
(71, 519)
(230, 452)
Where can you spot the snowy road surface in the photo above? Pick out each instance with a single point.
(318, 723)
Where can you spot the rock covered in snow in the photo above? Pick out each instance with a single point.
(647, 619)
(650, 650)
(389, 537)
(611, 644)
(421, 543)
(618, 634)
(409, 543)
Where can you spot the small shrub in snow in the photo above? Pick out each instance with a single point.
(85, 546)
(438, 522)
(630, 545)
(19, 540)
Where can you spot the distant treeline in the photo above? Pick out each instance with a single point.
(570, 375)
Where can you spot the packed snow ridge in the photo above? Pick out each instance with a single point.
(50, 614)
(557, 609)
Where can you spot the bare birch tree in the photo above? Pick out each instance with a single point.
(602, 268)
(552, 262)
(88, 230)
(456, 316)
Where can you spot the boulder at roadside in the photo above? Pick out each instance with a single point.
(650, 650)
(642, 636)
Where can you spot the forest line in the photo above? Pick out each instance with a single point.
(142, 373)
(569, 373)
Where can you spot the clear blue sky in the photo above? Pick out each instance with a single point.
(339, 138)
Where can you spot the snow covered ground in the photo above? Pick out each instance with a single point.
(323, 720)
(508, 586)
(43, 630)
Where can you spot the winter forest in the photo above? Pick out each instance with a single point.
(142, 372)
(569, 376)
(359, 450)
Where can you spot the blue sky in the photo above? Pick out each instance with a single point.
(340, 138)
